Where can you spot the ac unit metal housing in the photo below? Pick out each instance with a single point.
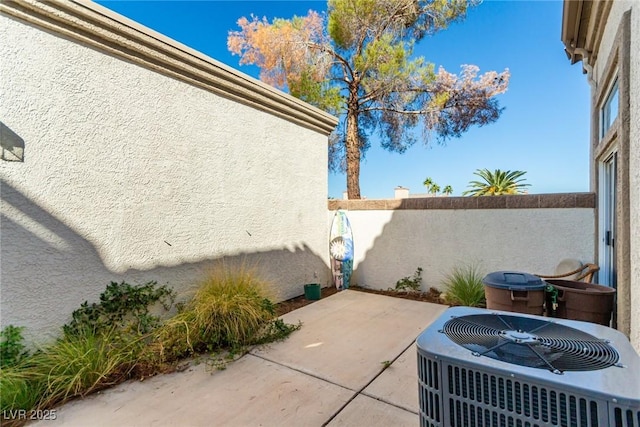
(462, 385)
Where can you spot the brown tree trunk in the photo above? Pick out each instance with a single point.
(353, 148)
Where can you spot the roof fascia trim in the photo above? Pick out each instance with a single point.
(94, 25)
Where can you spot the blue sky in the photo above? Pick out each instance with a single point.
(544, 129)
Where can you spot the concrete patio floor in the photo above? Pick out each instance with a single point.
(330, 372)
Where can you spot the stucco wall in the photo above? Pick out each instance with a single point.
(630, 312)
(634, 175)
(128, 174)
(618, 8)
(390, 244)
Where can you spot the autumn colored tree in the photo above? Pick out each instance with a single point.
(497, 183)
(356, 62)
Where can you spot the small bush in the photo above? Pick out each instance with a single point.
(410, 283)
(12, 349)
(122, 306)
(276, 330)
(229, 309)
(463, 286)
(101, 346)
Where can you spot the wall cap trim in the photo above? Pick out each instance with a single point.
(521, 201)
(97, 26)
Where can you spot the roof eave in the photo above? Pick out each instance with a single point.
(573, 32)
(97, 26)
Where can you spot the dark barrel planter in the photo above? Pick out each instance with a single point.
(588, 302)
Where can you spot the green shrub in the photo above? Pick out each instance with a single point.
(276, 330)
(12, 349)
(16, 385)
(230, 309)
(103, 344)
(463, 286)
(123, 306)
(410, 283)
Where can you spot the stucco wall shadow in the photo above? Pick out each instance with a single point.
(47, 269)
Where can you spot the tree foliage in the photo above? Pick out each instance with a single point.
(356, 61)
(433, 187)
(428, 182)
(497, 183)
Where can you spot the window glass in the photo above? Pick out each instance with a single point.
(609, 111)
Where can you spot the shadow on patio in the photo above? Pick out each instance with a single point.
(353, 362)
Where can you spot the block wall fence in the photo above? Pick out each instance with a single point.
(530, 233)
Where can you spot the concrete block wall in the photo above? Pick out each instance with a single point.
(530, 233)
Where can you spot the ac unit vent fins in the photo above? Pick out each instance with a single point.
(530, 342)
(481, 399)
(428, 371)
(626, 417)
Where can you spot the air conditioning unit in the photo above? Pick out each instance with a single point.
(484, 368)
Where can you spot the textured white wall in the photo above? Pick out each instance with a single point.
(634, 176)
(129, 174)
(618, 8)
(391, 244)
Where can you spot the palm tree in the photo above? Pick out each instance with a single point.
(428, 182)
(435, 188)
(496, 183)
(447, 190)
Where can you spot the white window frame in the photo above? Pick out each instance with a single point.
(607, 218)
(610, 108)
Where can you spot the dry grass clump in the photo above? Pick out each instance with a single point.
(463, 286)
(229, 309)
(19, 391)
(79, 364)
(74, 365)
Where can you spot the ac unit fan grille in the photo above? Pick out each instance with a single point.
(530, 342)
(459, 388)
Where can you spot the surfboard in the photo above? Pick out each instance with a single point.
(341, 250)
